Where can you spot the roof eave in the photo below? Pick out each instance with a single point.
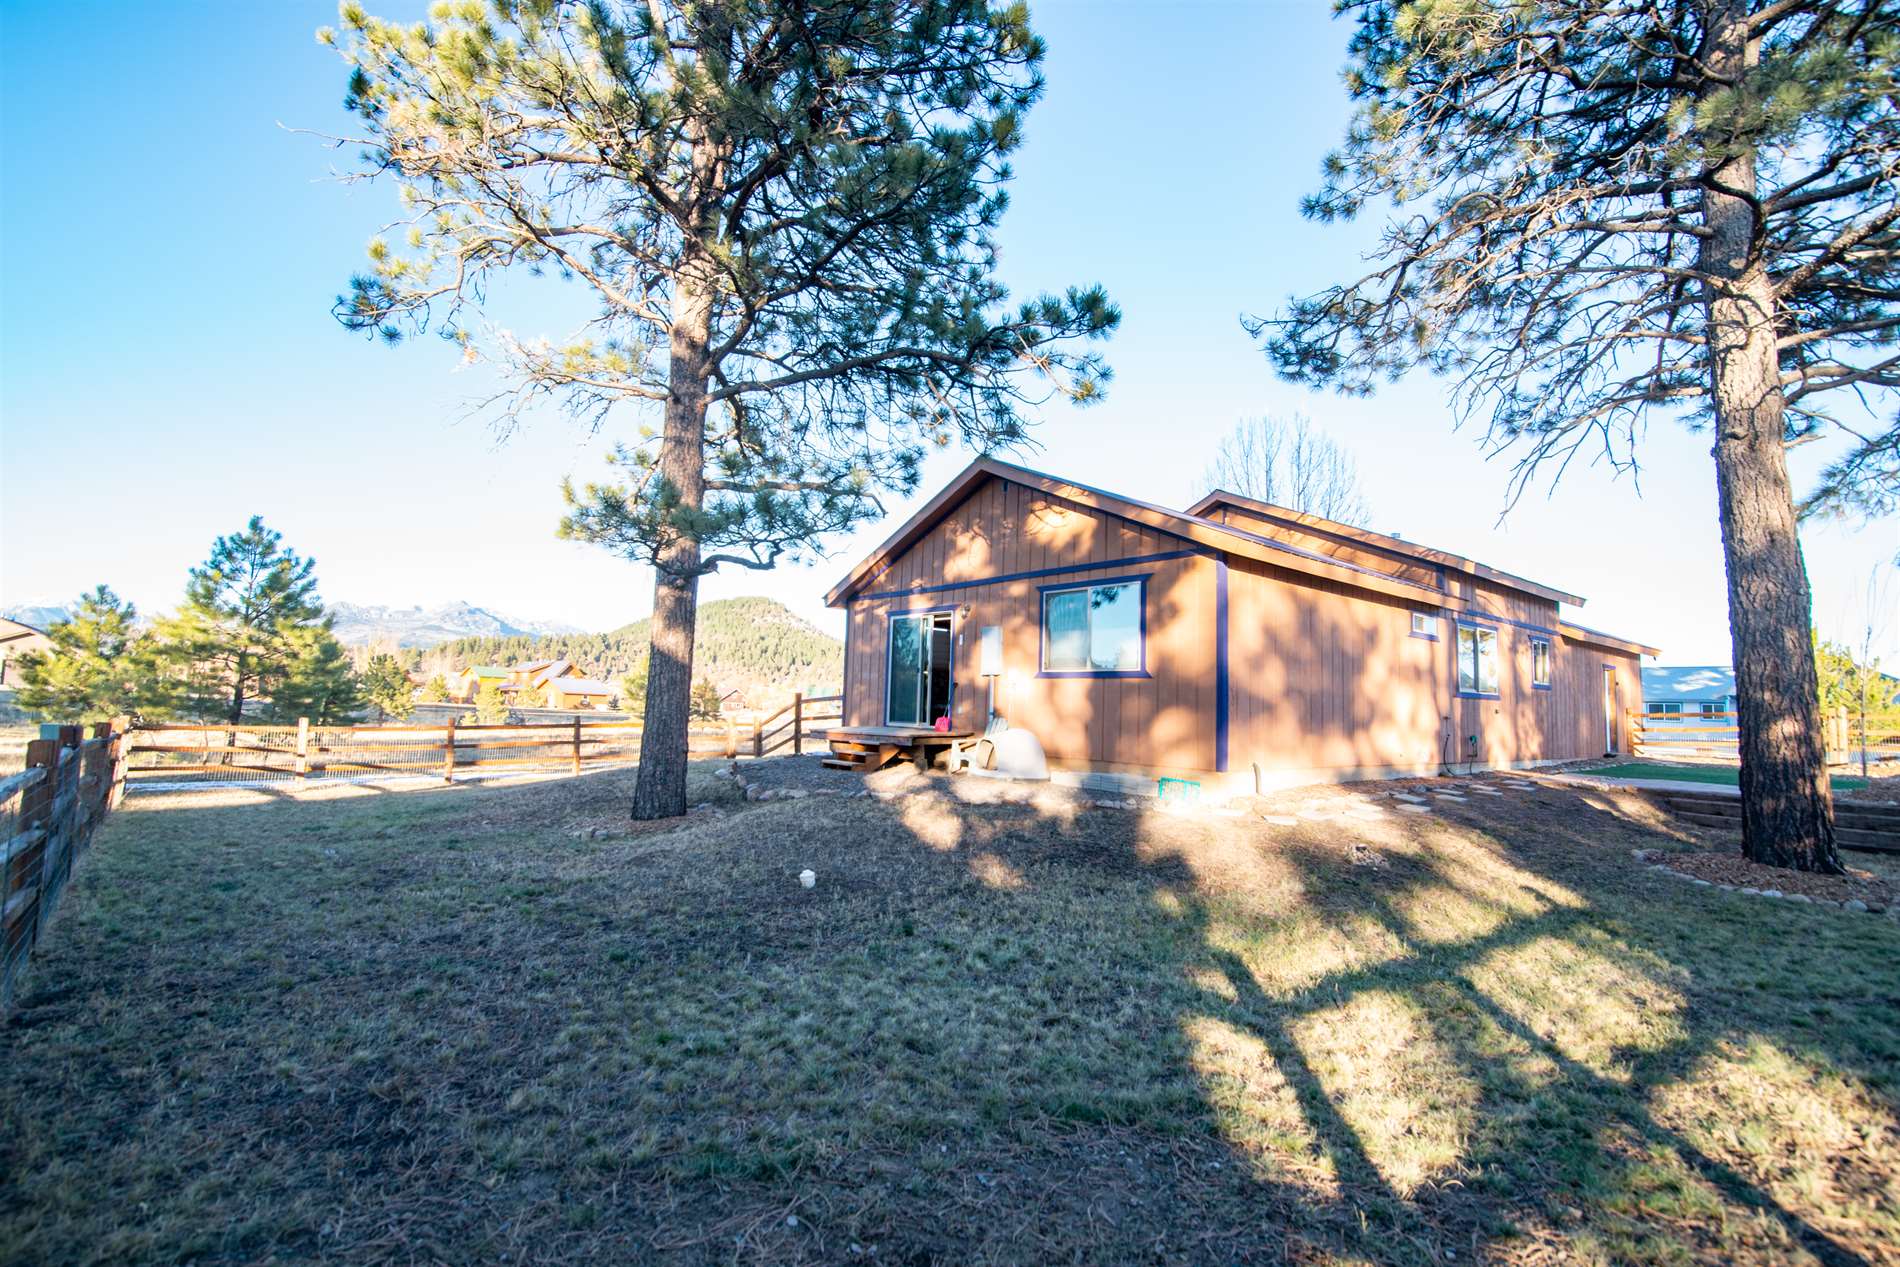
(1583, 633)
(1391, 544)
(1218, 538)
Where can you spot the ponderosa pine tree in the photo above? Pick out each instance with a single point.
(785, 212)
(236, 634)
(1675, 208)
(316, 681)
(387, 687)
(100, 665)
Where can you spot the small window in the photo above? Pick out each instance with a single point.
(1424, 626)
(1665, 710)
(1711, 709)
(1540, 662)
(1477, 660)
(1093, 629)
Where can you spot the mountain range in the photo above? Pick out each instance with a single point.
(38, 615)
(364, 625)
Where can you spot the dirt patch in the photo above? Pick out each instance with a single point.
(1734, 870)
(803, 774)
(1883, 786)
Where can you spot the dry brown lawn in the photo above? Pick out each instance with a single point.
(434, 1026)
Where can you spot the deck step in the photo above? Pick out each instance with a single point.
(841, 763)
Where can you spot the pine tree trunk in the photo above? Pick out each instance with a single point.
(1787, 807)
(237, 693)
(659, 790)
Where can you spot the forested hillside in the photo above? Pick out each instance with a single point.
(752, 645)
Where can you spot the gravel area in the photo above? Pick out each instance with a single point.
(1732, 869)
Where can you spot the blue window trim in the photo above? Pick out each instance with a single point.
(1459, 692)
(1042, 626)
(1007, 577)
(1550, 660)
(890, 620)
(1221, 686)
(1434, 617)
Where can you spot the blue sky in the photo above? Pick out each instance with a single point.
(168, 363)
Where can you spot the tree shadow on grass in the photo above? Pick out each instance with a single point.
(435, 1027)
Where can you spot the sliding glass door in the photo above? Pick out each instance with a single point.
(920, 679)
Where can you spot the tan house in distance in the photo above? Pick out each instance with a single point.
(580, 692)
(1238, 644)
(16, 639)
(562, 684)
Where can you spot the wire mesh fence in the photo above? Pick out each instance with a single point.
(182, 756)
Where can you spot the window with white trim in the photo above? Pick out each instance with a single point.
(1540, 662)
(1477, 660)
(1093, 629)
(1424, 625)
(1657, 709)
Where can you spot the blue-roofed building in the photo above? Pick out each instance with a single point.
(1691, 690)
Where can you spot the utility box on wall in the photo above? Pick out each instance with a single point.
(989, 659)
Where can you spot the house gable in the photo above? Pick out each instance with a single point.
(1003, 530)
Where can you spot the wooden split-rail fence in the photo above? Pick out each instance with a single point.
(1713, 736)
(225, 753)
(48, 813)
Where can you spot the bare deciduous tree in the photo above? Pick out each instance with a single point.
(1291, 463)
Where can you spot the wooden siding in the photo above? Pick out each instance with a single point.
(1324, 677)
(1004, 529)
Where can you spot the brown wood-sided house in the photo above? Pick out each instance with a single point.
(1236, 643)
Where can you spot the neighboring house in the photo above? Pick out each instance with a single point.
(580, 692)
(16, 639)
(1236, 643)
(1707, 691)
(536, 673)
(464, 684)
(1675, 691)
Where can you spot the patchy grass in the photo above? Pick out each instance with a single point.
(1722, 775)
(432, 1025)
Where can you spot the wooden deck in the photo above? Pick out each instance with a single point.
(869, 748)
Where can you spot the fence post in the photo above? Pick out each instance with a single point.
(101, 772)
(577, 745)
(448, 753)
(758, 738)
(121, 751)
(27, 868)
(732, 738)
(798, 723)
(303, 749)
